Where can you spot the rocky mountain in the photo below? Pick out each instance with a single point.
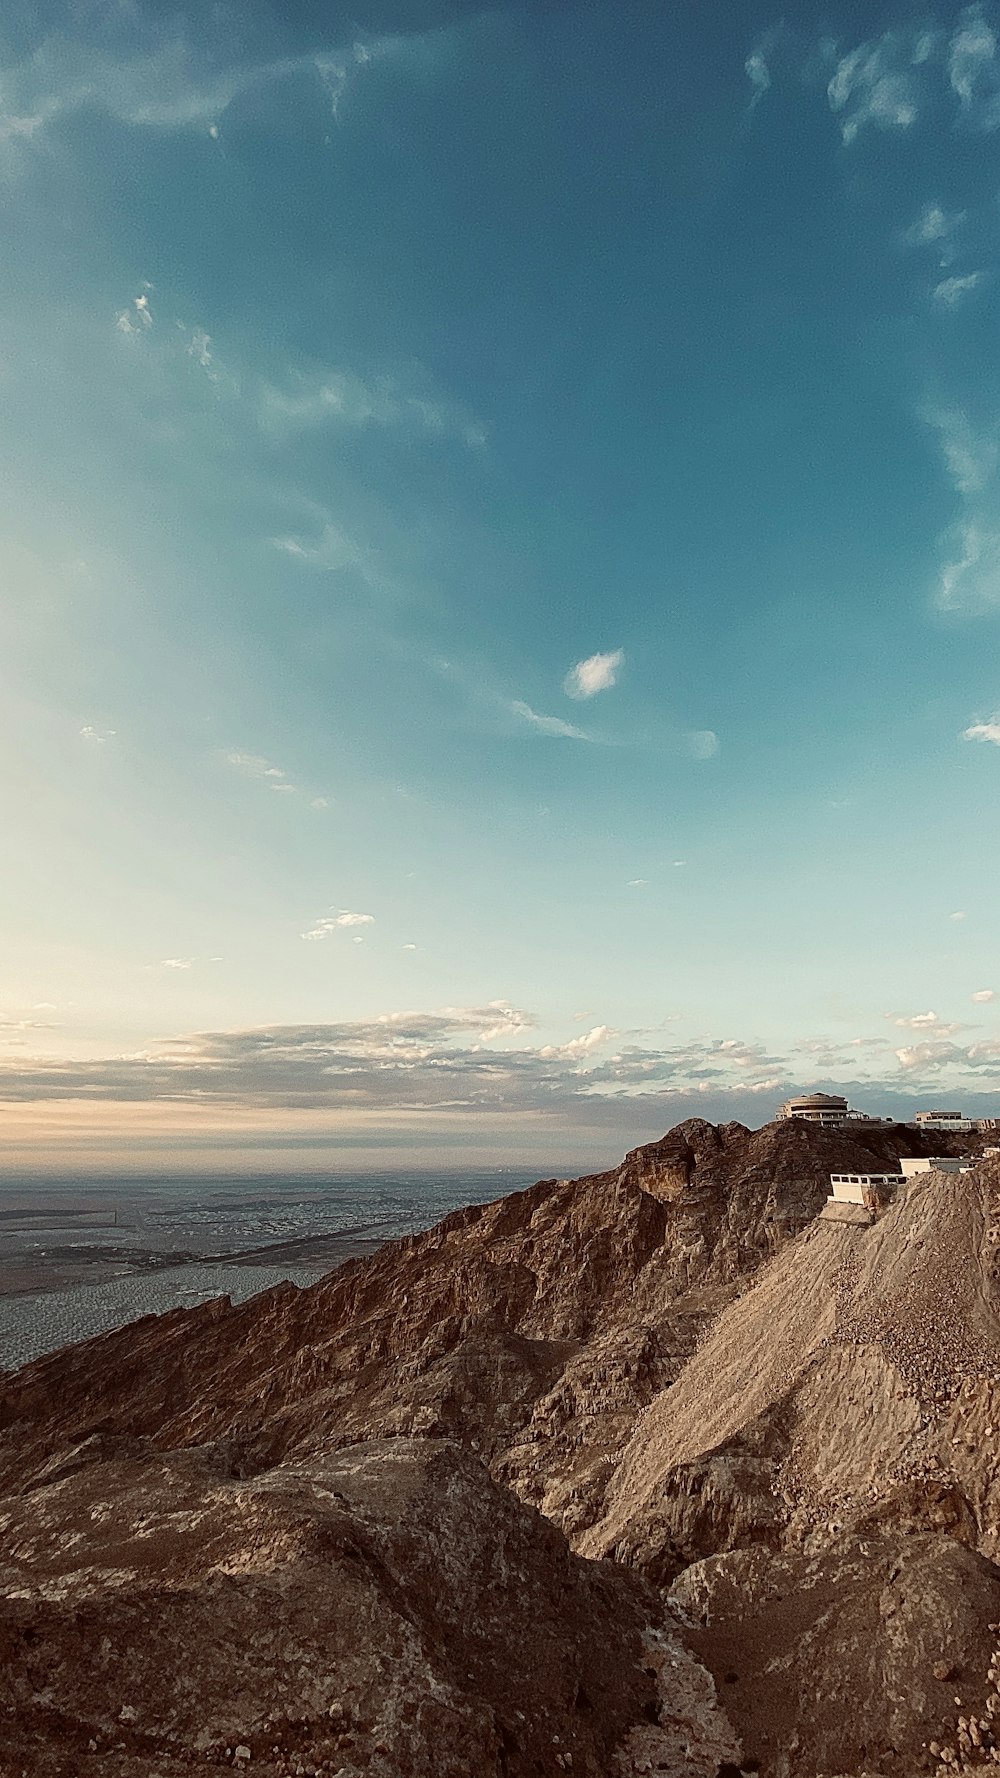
(761, 1448)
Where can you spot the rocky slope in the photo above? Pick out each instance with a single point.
(657, 1360)
(388, 1611)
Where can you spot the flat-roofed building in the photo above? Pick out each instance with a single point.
(943, 1120)
(816, 1108)
(935, 1163)
(864, 1188)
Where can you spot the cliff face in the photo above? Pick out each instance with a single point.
(387, 1611)
(652, 1357)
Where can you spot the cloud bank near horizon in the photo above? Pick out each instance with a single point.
(473, 1060)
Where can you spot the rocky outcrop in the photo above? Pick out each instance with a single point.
(387, 1612)
(861, 1367)
(324, 1499)
(850, 1659)
(548, 1320)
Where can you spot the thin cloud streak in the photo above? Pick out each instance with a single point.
(165, 88)
(546, 725)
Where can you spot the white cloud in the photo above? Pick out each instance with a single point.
(970, 455)
(933, 1054)
(958, 916)
(984, 731)
(177, 963)
(971, 56)
(637, 883)
(759, 75)
(339, 397)
(874, 85)
(547, 725)
(918, 1021)
(331, 550)
(199, 348)
(578, 1047)
(951, 291)
(165, 87)
(255, 766)
(139, 317)
(933, 226)
(90, 732)
(983, 995)
(970, 577)
(702, 743)
(338, 923)
(971, 581)
(597, 673)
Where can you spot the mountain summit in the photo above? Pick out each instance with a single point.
(656, 1470)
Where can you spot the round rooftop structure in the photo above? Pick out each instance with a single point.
(817, 1108)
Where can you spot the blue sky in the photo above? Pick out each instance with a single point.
(499, 574)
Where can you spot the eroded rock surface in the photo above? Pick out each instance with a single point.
(300, 1535)
(388, 1611)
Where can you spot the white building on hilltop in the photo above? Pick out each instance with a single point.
(943, 1120)
(936, 1163)
(824, 1108)
(876, 1190)
(816, 1108)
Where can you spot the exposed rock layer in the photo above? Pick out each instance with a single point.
(651, 1358)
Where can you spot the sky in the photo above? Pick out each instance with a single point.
(499, 575)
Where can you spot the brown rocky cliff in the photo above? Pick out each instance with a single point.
(386, 1612)
(645, 1355)
(600, 1283)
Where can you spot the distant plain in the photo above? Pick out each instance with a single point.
(80, 1257)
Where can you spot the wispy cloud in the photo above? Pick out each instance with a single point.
(971, 581)
(933, 1054)
(167, 87)
(759, 75)
(199, 348)
(465, 1060)
(90, 732)
(253, 765)
(597, 673)
(546, 725)
(952, 291)
(874, 85)
(330, 549)
(970, 576)
(702, 743)
(984, 731)
(138, 317)
(330, 397)
(177, 963)
(971, 59)
(933, 227)
(338, 922)
(970, 453)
